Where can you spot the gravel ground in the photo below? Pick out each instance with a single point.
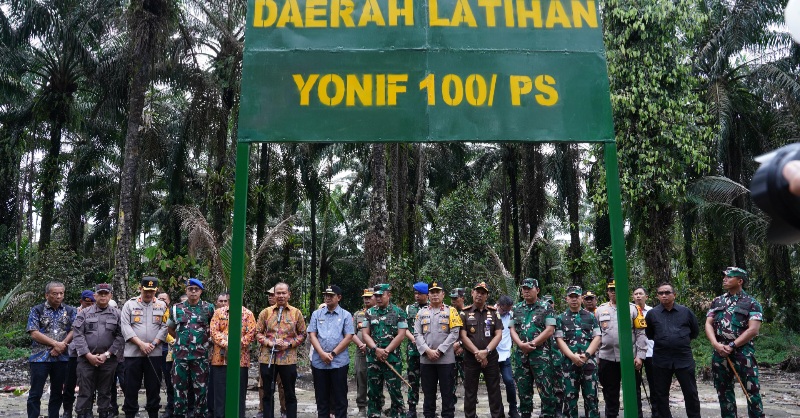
(781, 393)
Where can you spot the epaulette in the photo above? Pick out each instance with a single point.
(467, 307)
(491, 307)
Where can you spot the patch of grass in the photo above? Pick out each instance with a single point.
(13, 353)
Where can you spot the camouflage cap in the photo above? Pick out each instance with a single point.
(736, 272)
(548, 299)
(530, 283)
(574, 290)
(457, 292)
(380, 288)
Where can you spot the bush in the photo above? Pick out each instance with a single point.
(14, 353)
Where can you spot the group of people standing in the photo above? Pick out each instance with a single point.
(561, 355)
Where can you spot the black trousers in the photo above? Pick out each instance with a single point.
(288, 375)
(40, 371)
(651, 387)
(166, 372)
(686, 378)
(138, 369)
(93, 379)
(491, 374)
(610, 376)
(70, 383)
(218, 382)
(330, 386)
(441, 374)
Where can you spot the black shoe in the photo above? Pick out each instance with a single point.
(514, 413)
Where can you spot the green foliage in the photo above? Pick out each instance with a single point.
(13, 353)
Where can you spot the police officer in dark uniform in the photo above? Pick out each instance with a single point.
(481, 333)
(99, 343)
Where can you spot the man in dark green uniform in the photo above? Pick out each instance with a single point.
(578, 337)
(361, 353)
(555, 363)
(482, 331)
(384, 329)
(412, 355)
(532, 324)
(732, 323)
(190, 322)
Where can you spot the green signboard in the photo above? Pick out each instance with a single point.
(416, 70)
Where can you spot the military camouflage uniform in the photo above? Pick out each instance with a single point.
(577, 329)
(191, 351)
(530, 320)
(383, 325)
(412, 356)
(556, 358)
(360, 362)
(731, 314)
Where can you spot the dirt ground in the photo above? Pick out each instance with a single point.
(780, 391)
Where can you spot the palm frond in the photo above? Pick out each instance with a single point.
(715, 189)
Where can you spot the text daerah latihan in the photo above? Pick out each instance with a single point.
(465, 13)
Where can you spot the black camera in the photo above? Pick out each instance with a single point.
(770, 191)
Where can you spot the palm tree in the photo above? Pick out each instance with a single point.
(150, 22)
(54, 45)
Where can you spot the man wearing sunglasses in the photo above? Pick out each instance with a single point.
(672, 327)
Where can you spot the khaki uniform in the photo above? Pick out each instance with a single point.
(480, 327)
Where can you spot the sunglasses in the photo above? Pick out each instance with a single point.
(664, 293)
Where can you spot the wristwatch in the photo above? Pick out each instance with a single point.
(732, 344)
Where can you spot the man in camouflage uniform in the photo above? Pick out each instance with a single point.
(532, 325)
(457, 301)
(412, 355)
(555, 362)
(732, 323)
(190, 322)
(361, 353)
(578, 338)
(384, 329)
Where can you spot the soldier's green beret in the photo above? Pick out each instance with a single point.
(380, 288)
(735, 272)
(529, 282)
(457, 292)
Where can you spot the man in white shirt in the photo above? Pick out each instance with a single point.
(504, 304)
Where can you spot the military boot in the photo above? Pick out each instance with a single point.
(67, 413)
(513, 413)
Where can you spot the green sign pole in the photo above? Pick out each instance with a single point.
(621, 276)
(237, 280)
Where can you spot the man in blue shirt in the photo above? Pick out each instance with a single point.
(504, 351)
(330, 331)
(50, 328)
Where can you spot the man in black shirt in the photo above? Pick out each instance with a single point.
(672, 327)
